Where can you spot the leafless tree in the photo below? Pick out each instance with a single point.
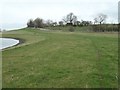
(61, 23)
(38, 23)
(95, 20)
(86, 23)
(54, 23)
(78, 23)
(49, 22)
(100, 18)
(30, 23)
(70, 18)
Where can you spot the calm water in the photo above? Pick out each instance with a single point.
(7, 42)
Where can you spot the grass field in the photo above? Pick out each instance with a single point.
(54, 59)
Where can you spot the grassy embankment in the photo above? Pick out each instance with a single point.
(61, 59)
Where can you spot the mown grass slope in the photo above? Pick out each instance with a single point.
(61, 60)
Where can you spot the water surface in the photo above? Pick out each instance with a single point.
(7, 42)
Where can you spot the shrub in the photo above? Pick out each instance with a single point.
(71, 29)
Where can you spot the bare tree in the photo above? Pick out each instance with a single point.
(54, 23)
(86, 23)
(100, 18)
(95, 20)
(77, 23)
(70, 19)
(30, 23)
(49, 22)
(61, 23)
(38, 23)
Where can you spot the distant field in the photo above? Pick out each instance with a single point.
(55, 59)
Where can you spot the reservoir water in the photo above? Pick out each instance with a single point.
(7, 42)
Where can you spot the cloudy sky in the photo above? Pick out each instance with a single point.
(15, 13)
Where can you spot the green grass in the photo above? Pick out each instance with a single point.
(61, 60)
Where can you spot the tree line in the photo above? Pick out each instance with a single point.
(72, 20)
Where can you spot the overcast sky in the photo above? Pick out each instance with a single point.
(15, 13)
